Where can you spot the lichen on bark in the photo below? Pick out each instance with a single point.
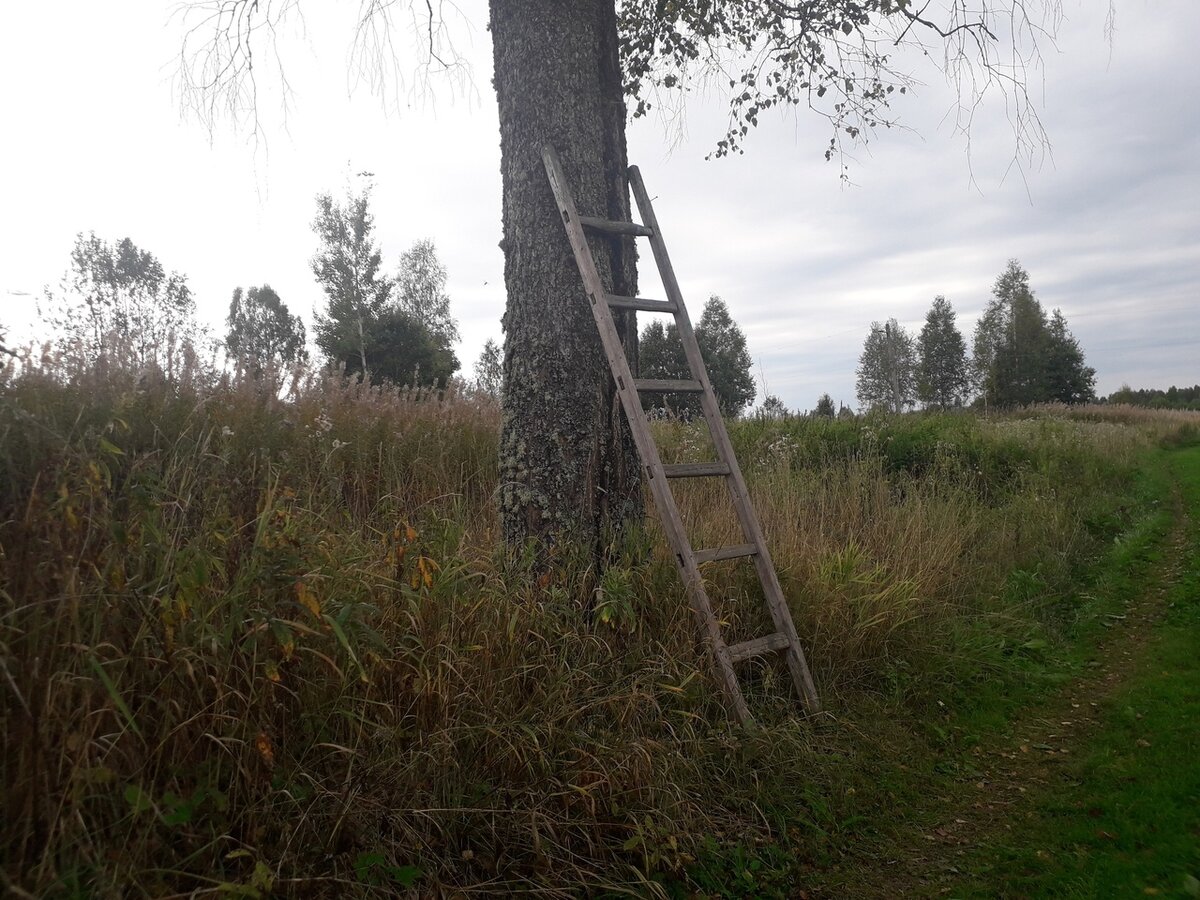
(568, 468)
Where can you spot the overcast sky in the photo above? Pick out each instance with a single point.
(1108, 226)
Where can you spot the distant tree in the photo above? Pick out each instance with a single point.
(489, 370)
(660, 352)
(942, 375)
(1011, 343)
(421, 292)
(120, 305)
(1123, 394)
(887, 368)
(824, 408)
(402, 350)
(371, 325)
(1068, 378)
(660, 355)
(723, 349)
(773, 408)
(263, 335)
(347, 267)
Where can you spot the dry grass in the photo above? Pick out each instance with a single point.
(261, 646)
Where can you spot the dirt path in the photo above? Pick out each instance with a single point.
(1016, 768)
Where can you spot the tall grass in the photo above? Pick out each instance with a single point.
(262, 646)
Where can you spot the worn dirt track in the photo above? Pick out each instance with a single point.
(1015, 768)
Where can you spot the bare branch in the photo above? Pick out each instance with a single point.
(225, 41)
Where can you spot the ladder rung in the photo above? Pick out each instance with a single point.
(757, 647)
(735, 552)
(667, 386)
(619, 302)
(695, 470)
(615, 227)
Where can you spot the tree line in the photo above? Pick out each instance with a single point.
(1172, 398)
(1019, 356)
(118, 299)
(117, 305)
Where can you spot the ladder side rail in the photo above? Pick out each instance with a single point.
(772, 590)
(647, 449)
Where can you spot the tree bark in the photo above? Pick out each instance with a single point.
(568, 466)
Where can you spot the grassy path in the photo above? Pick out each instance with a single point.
(1095, 790)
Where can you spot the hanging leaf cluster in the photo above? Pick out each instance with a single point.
(833, 56)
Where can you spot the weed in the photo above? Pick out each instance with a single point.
(267, 644)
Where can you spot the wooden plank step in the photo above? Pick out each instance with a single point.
(735, 552)
(758, 647)
(598, 224)
(641, 303)
(667, 386)
(695, 470)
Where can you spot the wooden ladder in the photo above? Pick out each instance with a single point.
(658, 475)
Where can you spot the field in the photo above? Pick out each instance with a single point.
(267, 647)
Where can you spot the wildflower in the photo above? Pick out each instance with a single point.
(338, 445)
(226, 431)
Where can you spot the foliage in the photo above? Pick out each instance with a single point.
(1068, 379)
(489, 370)
(1020, 357)
(347, 267)
(835, 57)
(1011, 343)
(263, 335)
(117, 303)
(398, 331)
(773, 408)
(256, 643)
(824, 408)
(942, 375)
(421, 292)
(402, 350)
(723, 349)
(886, 373)
(1155, 398)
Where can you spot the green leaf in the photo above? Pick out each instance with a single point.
(110, 448)
(405, 876)
(262, 877)
(112, 692)
(364, 863)
(139, 801)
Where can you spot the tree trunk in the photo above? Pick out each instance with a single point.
(568, 467)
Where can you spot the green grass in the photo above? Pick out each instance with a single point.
(1129, 823)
